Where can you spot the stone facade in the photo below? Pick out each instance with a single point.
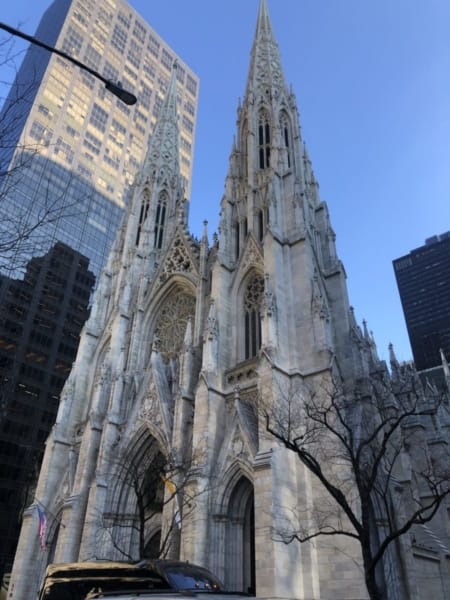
(185, 344)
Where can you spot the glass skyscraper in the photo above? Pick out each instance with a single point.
(71, 148)
(423, 279)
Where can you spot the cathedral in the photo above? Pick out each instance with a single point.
(161, 445)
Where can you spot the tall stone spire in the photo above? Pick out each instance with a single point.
(265, 73)
(265, 188)
(163, 149)
(158, 190)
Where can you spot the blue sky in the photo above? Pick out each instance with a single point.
(372, 80)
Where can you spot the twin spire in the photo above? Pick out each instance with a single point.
(163, 149)
(266, 72)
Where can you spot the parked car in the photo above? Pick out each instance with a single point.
(147, 578)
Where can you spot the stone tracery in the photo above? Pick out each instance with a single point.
(172, 321)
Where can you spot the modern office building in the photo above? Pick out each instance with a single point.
(201, 367)
(423, 279)
(73, 148)
(41, 317)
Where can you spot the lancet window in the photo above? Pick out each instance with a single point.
(260, 225)
(286, 134)
(244, 148)
(145, 204)
(264, 136)
(252, 316)
(160, 220)
(237, 240)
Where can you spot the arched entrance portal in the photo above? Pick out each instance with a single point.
(240, 539)
(133, 521)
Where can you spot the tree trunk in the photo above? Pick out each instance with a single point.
(369, 572)
(371, 584)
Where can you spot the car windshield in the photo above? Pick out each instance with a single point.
(190, 577)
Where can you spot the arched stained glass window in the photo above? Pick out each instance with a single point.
(252, 316)
(160, 219)
(286, 133)
(260, 225)
(237, 240)
(145, 204)
(264, 141)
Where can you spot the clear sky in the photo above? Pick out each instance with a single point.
(372, 80)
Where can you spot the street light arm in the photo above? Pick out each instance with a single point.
(114, 88)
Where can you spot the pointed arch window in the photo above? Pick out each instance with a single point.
(264, 135)
(244, 148)
(260, 225)
(160, 220)
(286, 134)
(252, 316)
(237, 241)
(145, 204)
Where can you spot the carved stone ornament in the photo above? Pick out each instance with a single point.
(172, 321)
(252, 256)
(177, 261)
(212, 327)
(268, 303)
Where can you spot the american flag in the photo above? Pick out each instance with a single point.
(42, 530)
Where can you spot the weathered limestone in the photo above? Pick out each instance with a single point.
(186, 347)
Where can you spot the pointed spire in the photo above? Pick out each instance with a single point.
(366, 331)
(392, 357)
(205, 233)
(263, 24)
(163, 150)
(266, 72)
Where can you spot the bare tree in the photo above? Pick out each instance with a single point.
(155, 496)
(367, 446)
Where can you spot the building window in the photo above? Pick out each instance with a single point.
(145, 204)
(191, 85)
(153, 46)
(285, 129)
(252, 316)
(119, 38)
(125, 19)
(98, 117)
(73, 42)
(187, 124)
(264, 141)
(166, 59)
(160, 219)
(92, 57)
(139, 31)
(110, 72)
(41, 133)
(245, 226)
(260, 225)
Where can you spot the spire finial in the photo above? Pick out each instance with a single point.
(392, 358)
(265, 72)
(205, 230)
(166, 129)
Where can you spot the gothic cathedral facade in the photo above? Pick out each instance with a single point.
(159, 448)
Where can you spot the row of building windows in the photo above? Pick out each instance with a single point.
(119, 38)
